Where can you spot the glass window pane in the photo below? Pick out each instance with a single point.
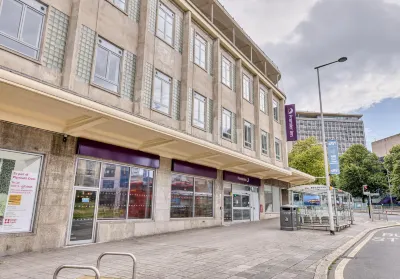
(166, 90)
(168, 32)
(203, 198)
(161, 24)
(113, 195)
(245, 201)
(113, 68)
(157, 90)
(101, 62)
(120, 4)
(10, 17)
(106, 84)
(237, 200)
(18, 47)
(237, 214)
(182, 196)
(87, 173)
(32, 28)
(141, 194)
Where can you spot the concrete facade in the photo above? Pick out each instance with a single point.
(382, 147)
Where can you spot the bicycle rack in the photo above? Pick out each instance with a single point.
(118, 254)
(95, 270)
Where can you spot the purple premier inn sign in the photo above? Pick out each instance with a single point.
(291, 126)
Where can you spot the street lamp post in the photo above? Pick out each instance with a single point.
(327, 178)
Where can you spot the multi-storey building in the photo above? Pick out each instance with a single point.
(123, 118)
(382, 147)
(346, 129)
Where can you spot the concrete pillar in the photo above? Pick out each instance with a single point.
(218, 198)
(270, 110)
(282, 121)
(187, 73)
(262, 199)
(162, 195)
(239, 104)
(217, 92)
(257, 132)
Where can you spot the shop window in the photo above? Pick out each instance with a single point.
(87, 173)
(165, 24)
(141, 194)
(268, 198)
(191, 197)
(21, 26)
(107, 68)
(19, 178)
(162, 93)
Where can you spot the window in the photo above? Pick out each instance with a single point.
(248, 133)
(162, 92)
(165, 23)
(226, 124)
(276, 110)
(199, 104)
(191, 197)
(268, 198)
(19, 177)
(107, 68)
(200, 47)
(121, 4)
(263, 100)
(140, 193)
(264, 142)
(226, 72)
(246, 88)
(21, 26)
(278, 149)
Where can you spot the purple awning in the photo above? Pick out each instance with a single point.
(193, 169)
(116, 153)
(241, 179)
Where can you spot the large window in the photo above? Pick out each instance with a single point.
(199, 104)
(276, 110)
(246, 88)
(264, 142)
(248, 134)
(107, 69)
(226, 124)
(226, 72)
(200, 50)
(124, 191)
(19, 178)
(21, 26)
(165, 24)
(162, 93)
(263, 102)
(268, 198)
(191, 197)
(278, 149)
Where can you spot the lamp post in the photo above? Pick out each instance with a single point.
(327, 178)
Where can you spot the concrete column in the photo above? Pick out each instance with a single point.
(162, 195)
(218, 198)
(239, 104)
(270, 110)
(217, 92)
(282, 121)
(262, 199)
(187, 73)
(257, 132)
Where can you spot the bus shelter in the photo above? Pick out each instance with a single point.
(312, 203)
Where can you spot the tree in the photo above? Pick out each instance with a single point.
(392, 164)
(308, 156)
(359, 167)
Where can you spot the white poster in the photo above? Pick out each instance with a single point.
(20, 202)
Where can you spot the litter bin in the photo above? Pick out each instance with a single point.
(289, 218)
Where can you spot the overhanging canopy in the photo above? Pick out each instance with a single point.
(314, 189)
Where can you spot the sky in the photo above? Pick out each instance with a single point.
(299, 35)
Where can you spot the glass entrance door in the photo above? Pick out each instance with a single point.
(83, 217)
(241, 206)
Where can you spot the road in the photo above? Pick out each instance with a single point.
(375, 257)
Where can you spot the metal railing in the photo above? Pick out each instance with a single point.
(92, 268)
(119, 254)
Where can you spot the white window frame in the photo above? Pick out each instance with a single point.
(275, 105)
(169, 14)
(226, 115)
(116, 4)
(264, 149)
(111, 49)
(278, 149)
(34, 6)
(263, 100)
(198, 101)
(200, 42)
(167, 82)
(226, 71)
(248, 133)
(246, 88)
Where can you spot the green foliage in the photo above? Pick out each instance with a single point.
(359, 167)
(392, 164)
(308, 156)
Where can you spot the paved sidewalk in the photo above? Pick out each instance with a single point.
(250, 250)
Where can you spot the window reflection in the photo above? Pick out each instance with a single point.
(203, 198)
(182, 196)
(87, 173)
(141, 193)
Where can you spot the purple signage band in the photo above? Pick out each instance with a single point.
(193, 169)
(116, 153)
(291, 125)
(241, 179)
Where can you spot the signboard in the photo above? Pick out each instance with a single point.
(333, 157)
(20, 202)
(241, 178)
(291, 126)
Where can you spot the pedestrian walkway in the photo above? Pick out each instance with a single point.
(247, 250)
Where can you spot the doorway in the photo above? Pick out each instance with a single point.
(83, 219)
